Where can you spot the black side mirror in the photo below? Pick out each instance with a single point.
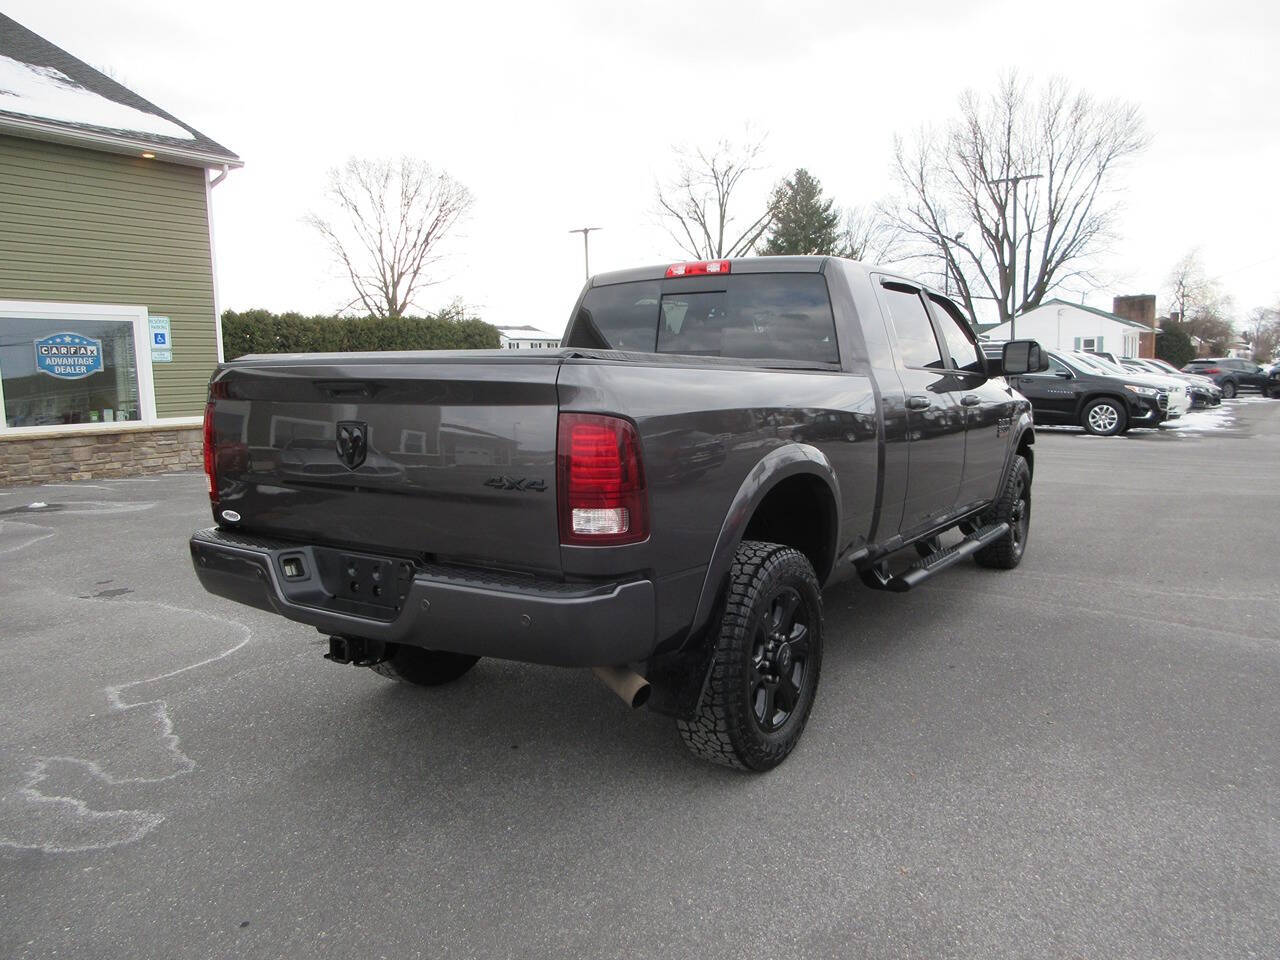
(1023, 356)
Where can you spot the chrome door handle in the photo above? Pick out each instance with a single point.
(971, 400)
(918, 403)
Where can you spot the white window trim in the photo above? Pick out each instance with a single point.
(72, 312)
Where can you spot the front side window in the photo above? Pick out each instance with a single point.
(60, 371)
(917, 342)
(964, 351)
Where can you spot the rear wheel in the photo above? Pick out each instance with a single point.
(1228, 390)
(426, 668)
(1013, 507)
(766, 661)
(1105, 418)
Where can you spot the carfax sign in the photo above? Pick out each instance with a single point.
(69, 356)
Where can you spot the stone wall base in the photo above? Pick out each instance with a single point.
(132, 452)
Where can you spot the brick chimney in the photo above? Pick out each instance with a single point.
(1140, 308)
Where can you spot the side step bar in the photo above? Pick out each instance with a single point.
(878, 578)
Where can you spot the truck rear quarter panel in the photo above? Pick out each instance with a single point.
(703, 431)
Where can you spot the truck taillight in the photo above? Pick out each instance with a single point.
(698, 269)
(210, 454)
(601, 485)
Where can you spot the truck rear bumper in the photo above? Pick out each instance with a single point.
(464, 610)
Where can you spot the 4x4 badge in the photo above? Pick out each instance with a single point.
(353, 442)
(516, 483)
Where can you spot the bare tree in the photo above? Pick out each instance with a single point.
(871, 234)
(956, 211)
(1199, 302)
(1264, 333)
(701, 207)
(389, 218)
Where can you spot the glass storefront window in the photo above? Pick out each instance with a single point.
(65, 371)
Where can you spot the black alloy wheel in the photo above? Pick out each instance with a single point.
(779, 659)
(765, 661)
(1013, 507)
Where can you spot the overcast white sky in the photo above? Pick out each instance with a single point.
(559, 114)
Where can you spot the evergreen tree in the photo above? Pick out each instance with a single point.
(1174, 345)
(804, 222)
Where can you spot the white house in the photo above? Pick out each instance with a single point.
(526, 338)
(1060, 325)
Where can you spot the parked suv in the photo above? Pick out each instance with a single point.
(1232, 373)
(1076, 391)
(1178, 389)
(1201, 389)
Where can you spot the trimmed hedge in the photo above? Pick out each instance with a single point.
(261, 331)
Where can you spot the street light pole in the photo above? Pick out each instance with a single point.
(586, 254)
(1013, 245)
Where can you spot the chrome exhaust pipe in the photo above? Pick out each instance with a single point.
(627, 684)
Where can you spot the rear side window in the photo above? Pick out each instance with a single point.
(753, 316)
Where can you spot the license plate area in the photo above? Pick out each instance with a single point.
(364, 580)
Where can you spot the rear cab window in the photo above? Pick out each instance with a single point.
(754, 316)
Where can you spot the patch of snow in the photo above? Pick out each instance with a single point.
(49, 94)
(37, 505)
(1215, 418)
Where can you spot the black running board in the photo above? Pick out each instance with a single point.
(936, 562)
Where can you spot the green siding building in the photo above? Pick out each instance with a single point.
(108, 302)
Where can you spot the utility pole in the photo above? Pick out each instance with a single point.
(586, 253)
(1013, 244)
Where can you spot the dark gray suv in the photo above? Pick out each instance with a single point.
(1232, 374)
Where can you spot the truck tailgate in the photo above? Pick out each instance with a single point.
(450, 456)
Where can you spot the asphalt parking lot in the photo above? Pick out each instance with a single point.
(1077, 759)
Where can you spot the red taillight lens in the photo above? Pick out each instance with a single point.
(1214, 370)
(701, 268)
(601, 481)
(210, 459)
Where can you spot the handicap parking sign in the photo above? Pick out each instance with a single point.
(161, 347)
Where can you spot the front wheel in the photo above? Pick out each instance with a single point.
(1229, 390)
(765, 665)
(1105, 418)
(426, 668)
(1013, 507)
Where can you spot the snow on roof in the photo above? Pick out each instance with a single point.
(48, 94)
(526, 332)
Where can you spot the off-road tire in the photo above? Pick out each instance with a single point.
(1229, 390)
(1120, 423)
(726, 728)
(1013, 507)
(426, 668)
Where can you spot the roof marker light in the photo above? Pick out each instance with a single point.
(698, 268)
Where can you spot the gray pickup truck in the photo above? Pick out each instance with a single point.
(662, 498)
